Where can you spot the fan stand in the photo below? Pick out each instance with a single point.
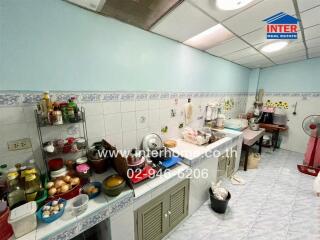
(309, 169)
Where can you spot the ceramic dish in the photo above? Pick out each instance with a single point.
(92, 189)
(52, 217)
(113, 185)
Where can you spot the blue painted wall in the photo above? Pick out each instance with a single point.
(51, 44)
(302, 76)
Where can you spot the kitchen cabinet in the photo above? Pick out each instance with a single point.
(226, 163)
(158, 217)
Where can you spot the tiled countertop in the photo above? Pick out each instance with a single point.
(69, 226)
(193, 154)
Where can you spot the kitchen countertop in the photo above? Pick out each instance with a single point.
(69, 226)
(193, 154)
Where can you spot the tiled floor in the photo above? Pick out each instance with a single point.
(277, 202)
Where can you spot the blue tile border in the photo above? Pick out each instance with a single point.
(25, 98)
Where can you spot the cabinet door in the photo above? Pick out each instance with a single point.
(152, 221)
(231, 162)
(178, 203)
(222, 166)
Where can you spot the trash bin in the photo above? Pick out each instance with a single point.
(219, 206)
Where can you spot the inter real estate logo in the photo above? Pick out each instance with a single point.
(282, 26)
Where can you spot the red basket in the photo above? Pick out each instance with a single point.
(75, 191)
(6, 229)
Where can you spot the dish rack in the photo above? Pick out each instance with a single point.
(197, 140)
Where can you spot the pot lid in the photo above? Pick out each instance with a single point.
(152, 142)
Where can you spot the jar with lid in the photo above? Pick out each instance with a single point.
(32, 187)
(32, 165)
(16, 196)
(83, 171)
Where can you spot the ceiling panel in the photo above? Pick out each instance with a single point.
(291, 56)
(314, 52)
(311, 17)
(313, 43)
(251, 59)
(210, 8)
(252, 18)
(307, 4)
(241, 54)
(183, 22)
(259, 64)
(228, 47)
(293, 47)
(312, 32)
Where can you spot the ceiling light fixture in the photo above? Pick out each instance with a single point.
(274, 46)
(229, 5)
(210, 37)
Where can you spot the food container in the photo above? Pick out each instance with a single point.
(23, 219)
(135, 160)
(81, 143)
(55, 164)
(80, 204)
(6, 229)
(113, 185)
(53, 217)
(68, 195)
(59, 173)
(81, 160)
(83, 171)
(92, 189)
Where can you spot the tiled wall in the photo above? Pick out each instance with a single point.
(122, 118)
(295, 138)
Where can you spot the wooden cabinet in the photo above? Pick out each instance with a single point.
(156, 218)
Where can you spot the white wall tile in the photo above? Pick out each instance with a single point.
(115, 140)
(142, 119)
(111, 107)
(154, 104)
(142, 105)
(95, 126)
(113, 123)
(154, 117)
(128, 106)
(93, 109)
(12, 115)
(11, 132)
(141, 133)
(129, 140)
(128, 121)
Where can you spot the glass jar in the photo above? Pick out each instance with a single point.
(32, 187)
(83, 171)
(16, 196)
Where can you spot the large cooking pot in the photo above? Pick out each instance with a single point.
(136, 160)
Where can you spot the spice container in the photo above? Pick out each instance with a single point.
(83, 171)
(23, 219)
(32, 187)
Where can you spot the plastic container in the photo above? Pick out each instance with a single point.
(53, 217)
(87, 189)
(219, 206)
(55, 164)
(80, 204)
(6, 229)
(59, 173)
(23, 219)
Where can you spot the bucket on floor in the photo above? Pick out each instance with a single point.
(219, 206)
(253, 160)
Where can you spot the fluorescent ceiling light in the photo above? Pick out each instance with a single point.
(274, 46)
(210, 37)
(229, 5)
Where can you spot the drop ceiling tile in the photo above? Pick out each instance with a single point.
(311, 17)
(312, 32)
(292, 47)
(228, 47)
(241, 54)
(252, 18)
(260, 36)
(259, 64)
(315, 54)
(313, 43)
(314, 50)
(289, 57)
(251, 59)
(210, 8)
(183, 22)
(307, 4)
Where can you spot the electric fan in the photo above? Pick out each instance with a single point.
(311, 163)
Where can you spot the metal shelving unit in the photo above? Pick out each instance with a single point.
(42, 124)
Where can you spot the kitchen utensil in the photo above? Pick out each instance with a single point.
(80, 204)
(280, 119)
(152, 142)
(170, 143)
(6, 229)
(92, 189)
(113, 185)
(253, 124)
(53, 217)
(135, 160)
(55, 164)
(23, 219)
(295, 109)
